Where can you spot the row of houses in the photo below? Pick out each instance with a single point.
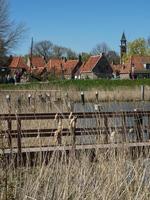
(95, 67)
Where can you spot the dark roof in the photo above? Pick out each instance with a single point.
(123, 38)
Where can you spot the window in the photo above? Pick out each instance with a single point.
(147, 66)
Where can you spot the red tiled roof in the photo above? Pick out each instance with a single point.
(54, 65)
(139, 62)
(58, 65)
(38, 61)
(18, 62)
(90, 64)
(122, 69)
(69, 66)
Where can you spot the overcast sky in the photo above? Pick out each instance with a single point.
(81, 24)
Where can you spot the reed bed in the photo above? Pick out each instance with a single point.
(109, 176)
(63, 101)
(115, 94)
(85, 175)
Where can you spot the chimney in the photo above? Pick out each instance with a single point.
(80, 58)
(64, 59)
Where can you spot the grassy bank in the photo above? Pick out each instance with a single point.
(101, 84)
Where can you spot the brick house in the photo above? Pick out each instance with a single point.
(71, 68)
(18, 63)
(135, 67)
(63, 68)
(18, 68)
(121, 71)
(96, 67)
(140, 66)
(37, 67)
(36, 62)
(53, 68)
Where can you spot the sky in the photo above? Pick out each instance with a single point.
(81, 24)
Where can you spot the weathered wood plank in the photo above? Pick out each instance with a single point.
(42, 116)
(78, 147)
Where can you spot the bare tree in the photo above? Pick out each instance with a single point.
(111, 55)
(148, 40)
(85, 56)
(10, 33)
(49, 50)
(59, 51)
(43, 48)
(100, 48)
(71, 54)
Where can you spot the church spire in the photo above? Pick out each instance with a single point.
(123, 47)
(123, 38)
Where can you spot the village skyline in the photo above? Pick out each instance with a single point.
(81, 25)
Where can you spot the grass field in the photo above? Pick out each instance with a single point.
(101, 84)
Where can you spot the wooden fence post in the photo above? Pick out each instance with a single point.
(19, 139)
(142, 92)
(124, 130)
(29, 99)
(96, 95)
(82, 98)
(48, 100)
(19, 104)
(149, 125)
(106, 127)
(138, 120)
(8, 99)
(9, 122)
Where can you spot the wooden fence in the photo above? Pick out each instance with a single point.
(20, 133)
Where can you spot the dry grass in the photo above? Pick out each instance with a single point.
(58, 101)
(110, 176)
(116, 94)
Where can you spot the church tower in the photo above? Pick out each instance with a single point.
(123, 47)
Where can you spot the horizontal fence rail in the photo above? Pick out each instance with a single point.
(77, 147)
(29, 133)
(73, 131)
(32, 116)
